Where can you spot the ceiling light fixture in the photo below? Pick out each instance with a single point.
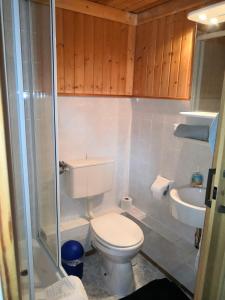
(210, 15)
(202, 17)
(213, 21)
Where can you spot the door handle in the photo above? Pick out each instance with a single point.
(208, 201)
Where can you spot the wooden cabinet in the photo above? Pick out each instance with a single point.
(163, 59)
(95, 56)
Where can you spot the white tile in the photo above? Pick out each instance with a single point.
(95, 127)
(154, 150)
(138, 135)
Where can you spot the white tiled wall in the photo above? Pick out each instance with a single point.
(138, 135)
(154, 150)
(95, 127)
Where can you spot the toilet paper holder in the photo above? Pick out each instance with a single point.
(167, 190)
(161, 186)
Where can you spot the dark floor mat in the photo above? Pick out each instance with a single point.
(160, 289)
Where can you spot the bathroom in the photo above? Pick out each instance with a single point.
(112, 108)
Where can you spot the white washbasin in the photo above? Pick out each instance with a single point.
(188, 205)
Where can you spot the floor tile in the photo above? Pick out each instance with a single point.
(144, 272)
(175, 256)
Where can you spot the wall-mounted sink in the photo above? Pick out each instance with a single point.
(187, 205)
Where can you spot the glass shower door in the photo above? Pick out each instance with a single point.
(36, 24)
(28, 33)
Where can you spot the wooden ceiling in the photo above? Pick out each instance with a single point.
(134, 6)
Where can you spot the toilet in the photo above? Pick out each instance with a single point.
(117, 238)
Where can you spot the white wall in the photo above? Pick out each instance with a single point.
(95, 127)
(154, 150)
(139, 137)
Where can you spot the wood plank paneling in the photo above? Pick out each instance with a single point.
(98, 55)
(148, 6)
(170, 8)
(107, 57)
(138, 69)
(159, 56)
(176, 54)
(151, 39)
(135, 6)
(123, 75)
(166, 44)
(167, 57)
(60, 50)
(115, 58)
(145, 54)
(130, 59)
(79, 52)
(97, 10)
(89, 55)
(185, 71)
(95, 56)
(69, 59)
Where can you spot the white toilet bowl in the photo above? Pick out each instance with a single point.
(118, 240)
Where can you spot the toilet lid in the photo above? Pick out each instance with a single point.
(117, 230)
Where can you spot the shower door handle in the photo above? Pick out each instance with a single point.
(208, 201)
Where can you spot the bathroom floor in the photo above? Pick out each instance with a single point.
(144, 272)
(176, 257)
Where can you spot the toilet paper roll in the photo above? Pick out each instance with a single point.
(126, 203)
(160, 186)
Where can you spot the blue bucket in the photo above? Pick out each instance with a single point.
(72, 253)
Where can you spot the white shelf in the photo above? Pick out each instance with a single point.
(199, 114)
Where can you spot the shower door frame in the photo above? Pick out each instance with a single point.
(9, 283)
(22, 138)
(55, 130)
(51, 4)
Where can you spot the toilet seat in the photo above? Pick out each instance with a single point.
(116, 231)
(122, 250)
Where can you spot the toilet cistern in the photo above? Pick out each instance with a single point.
(88, 177)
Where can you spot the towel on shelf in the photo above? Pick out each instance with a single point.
(212, 133)
(196, 132)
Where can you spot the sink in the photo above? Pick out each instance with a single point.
(188, 205)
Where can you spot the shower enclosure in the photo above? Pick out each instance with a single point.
(29, 68)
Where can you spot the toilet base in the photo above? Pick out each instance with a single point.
(118, 277)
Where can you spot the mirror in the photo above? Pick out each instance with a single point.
(208, 71)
